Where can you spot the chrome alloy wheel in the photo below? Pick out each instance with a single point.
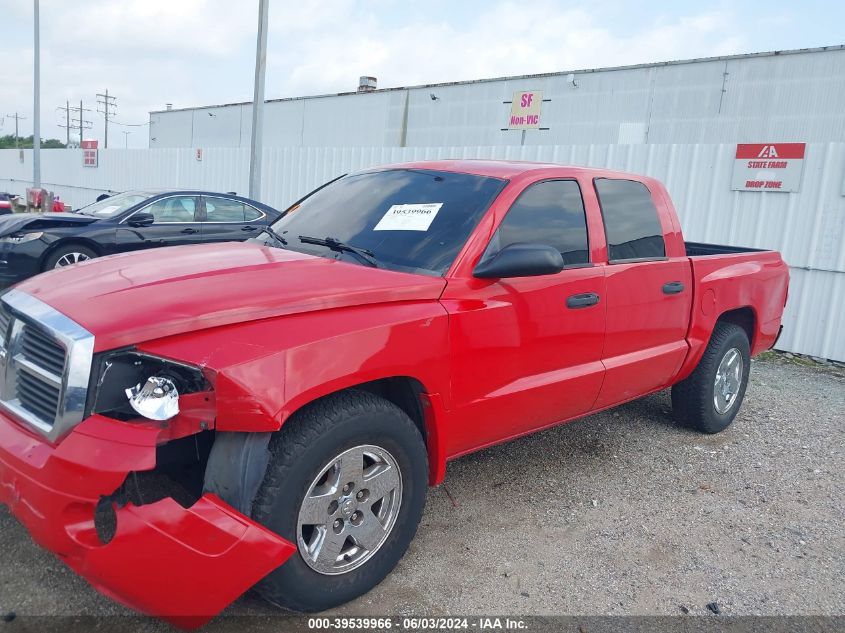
(349, 510)
(71, 258)
(728, 380)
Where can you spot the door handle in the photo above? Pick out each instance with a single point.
(673, 288)
(583, 300)
(248, 228)
(189, 230)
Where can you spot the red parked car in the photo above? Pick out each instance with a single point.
(179, 425)
(6, 203)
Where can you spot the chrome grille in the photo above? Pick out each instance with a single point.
(45, 364)
(5, 318)
(38, 396)
(42, 350)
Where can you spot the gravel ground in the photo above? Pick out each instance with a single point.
(623, 512)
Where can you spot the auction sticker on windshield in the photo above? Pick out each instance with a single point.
(409, 217)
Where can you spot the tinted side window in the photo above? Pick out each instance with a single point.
(222, 210)
(251, 214)
(630, 220)
(169, 210)
(550, 213)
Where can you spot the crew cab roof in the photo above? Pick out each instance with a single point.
(505, 168)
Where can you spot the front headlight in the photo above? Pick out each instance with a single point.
(130, 384)
(20, 237)
(157, 399)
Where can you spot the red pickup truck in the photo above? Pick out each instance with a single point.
(180, 425)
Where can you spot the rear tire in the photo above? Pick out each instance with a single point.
(306, 469)
(709, 398)
(67, 255)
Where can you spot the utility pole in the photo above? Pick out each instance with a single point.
(16, 117)
(66, 125)
(126, 138)
(76, 123)
(258, 103)
(36, 106)
(107, 102)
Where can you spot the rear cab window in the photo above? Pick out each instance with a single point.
(549, 213)
(631, 223)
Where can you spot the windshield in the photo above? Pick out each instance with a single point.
(411, 220)
(115, 204)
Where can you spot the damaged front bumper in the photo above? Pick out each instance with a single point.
(182, 564)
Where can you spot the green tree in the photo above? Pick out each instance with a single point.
(25, 142)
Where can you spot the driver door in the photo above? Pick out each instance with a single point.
(525, 353)
(176, 223)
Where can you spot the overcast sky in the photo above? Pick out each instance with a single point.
(201, 52)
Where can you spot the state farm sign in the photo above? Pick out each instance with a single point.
(768, 167)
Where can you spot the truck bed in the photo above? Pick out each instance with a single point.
(730, 278)
(698, 249)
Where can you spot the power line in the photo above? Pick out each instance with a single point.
(67, 123)
(129, 124)
(109, 106)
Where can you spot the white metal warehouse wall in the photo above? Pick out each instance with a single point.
(758, 98)
(807, 227)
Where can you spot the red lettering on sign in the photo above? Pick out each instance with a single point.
(527, 98)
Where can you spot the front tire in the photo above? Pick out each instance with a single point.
(346, 483)
(68, 255)
(709, 398)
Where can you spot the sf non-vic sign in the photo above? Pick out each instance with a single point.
(525, 110)
(768, 167)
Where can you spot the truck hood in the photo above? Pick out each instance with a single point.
(41, 221)
(135, 297)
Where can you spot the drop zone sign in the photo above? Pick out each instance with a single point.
(768, 167)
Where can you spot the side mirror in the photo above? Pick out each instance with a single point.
(521, 260)
(141, 219)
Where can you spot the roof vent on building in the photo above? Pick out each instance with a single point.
(169, 106)
(367, 84)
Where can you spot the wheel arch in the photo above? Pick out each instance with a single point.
(409, 394)
(744, 317)
(69, 241)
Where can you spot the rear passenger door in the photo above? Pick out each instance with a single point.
(648, 294)
(228, 220)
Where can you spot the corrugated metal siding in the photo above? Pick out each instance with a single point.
(808, 227)
(788, 97)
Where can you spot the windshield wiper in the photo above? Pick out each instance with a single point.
(273, 234)
(336, 245)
